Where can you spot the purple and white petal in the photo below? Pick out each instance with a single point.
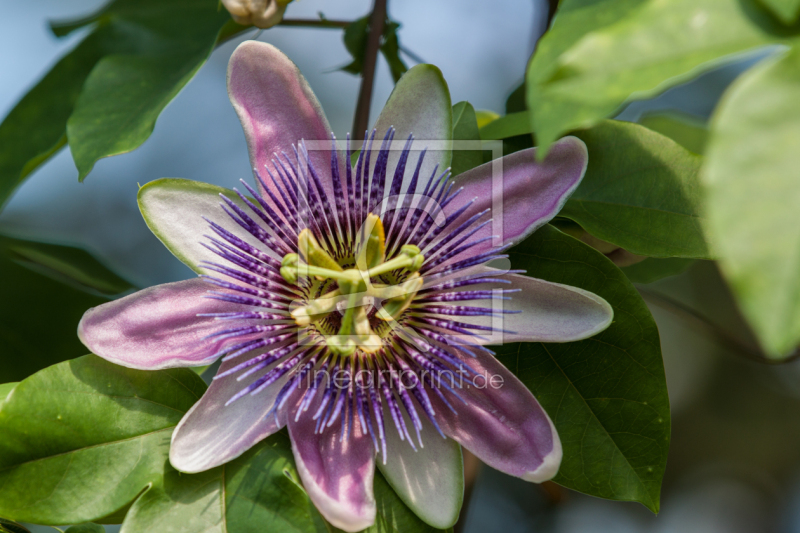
(501, 422)
(157, 327)
(277, 108)
(522, 193)
(336, 473)
(430, 480)
(212, 433)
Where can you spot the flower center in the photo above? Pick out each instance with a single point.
(365, 307)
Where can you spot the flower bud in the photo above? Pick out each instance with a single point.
(259, 13)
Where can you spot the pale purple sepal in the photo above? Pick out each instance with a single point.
(211, 433)
(336, 473)
(501, 422)
(430, 480)
(158, 327)
(420, 105)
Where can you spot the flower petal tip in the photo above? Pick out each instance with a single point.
(342, 515)
(550, 463)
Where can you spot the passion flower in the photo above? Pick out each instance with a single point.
(352, 303)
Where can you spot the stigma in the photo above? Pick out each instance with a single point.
(357, 302)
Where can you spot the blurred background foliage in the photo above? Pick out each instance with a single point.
(682, 70)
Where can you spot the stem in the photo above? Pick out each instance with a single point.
(728, 339)
(377, 21)
(316, 23)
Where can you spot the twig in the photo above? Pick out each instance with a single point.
(316, 23)
(376, 23)
(728, 339)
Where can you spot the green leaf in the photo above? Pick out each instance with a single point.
(752, 194)
(356, 35)
(484, 117)
(641, 192)
(7, 526)
(258, 490)
(35, 128)
(686, 130)
(516, 100)
(654, 268)
(73, 266)
(392, 514)
(606, 395)
(465, 128)
(121, 101)
(162, 41)
(87, 527)
(648, 50)
(261, 489)
(508, 126)
(390, 49)
(573, 20)
(38, 320)
(5, 390)
(83, 438)
(124, 94)
(786, 10)
(355, 41)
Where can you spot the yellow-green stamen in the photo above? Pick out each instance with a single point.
(356, 292)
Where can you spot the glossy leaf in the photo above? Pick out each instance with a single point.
(573, 20)
(259, 490)
(355, 41)
(38, 320)
(641, 192)
(648, 50)
(7, 526)
(786, 10)
(83, 438)
(121, 101)
(516, 100)
(655, 268)
(87, 527)
(256, 491)
(606, 395)
(752, 194)
(393, 514)
(390, 49)
(465, 128)
(125, 93)
(5, 390)
(35, 128)
(67, 264)
(686, 130)
(154, 45)
(508, 126)
(484, 117)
